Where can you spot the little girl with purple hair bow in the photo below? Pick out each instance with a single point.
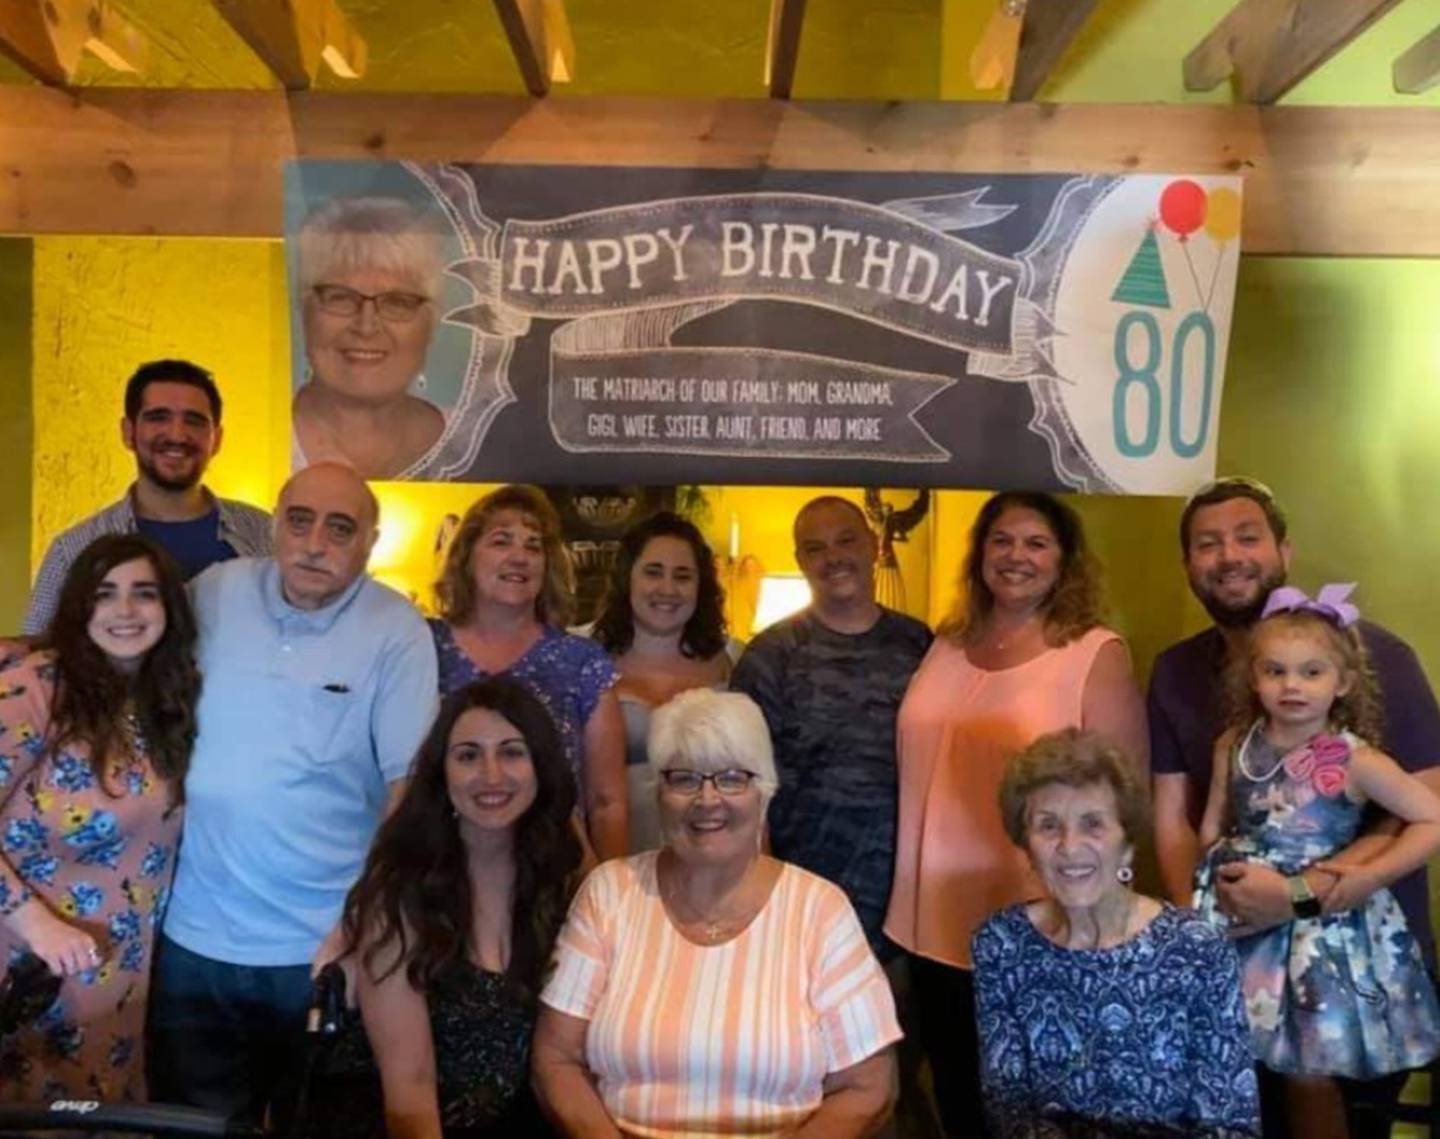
(1341, 990)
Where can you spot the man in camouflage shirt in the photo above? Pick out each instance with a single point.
(829, 680)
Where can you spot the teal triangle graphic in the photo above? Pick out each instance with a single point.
(1144, 281)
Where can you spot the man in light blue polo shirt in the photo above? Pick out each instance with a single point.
(319, 687)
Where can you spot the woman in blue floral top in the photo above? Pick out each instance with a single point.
(1102, 1012)
(505, 594)
(96, 728)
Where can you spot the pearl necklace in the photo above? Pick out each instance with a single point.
(1245, 747)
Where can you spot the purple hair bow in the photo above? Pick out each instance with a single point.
(1329, 603)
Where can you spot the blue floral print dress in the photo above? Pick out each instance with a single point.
(1344, 994)
(101, 860)
(568, 674)
(1147, 1037)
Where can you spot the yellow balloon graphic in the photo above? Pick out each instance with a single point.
(1222, 219)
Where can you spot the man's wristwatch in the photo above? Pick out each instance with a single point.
(1302, 899)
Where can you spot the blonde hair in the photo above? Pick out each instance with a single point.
(1072, 758)
(711, 731)
(1359, 710)
(455, 591)
(342, 235)
(1076, 604)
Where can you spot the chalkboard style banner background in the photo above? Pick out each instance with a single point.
(660, 326)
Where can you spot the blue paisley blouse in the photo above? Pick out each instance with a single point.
(1147, 1037)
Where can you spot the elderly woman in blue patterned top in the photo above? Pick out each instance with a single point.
(1102, 1011)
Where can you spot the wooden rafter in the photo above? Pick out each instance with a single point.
(1418, 69)
(1322, 181)
(294, 37)
(48, 37)
(1271, 45)
(782, 48)
(539, 35)
(1049, 27)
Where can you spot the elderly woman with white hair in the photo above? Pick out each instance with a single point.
(369, 274)
(707, 988)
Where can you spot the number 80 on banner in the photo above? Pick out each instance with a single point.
(1142, 395)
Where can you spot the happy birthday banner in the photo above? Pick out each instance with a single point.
(638, 325)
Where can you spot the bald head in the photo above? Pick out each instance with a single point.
(324, 530)
(825, 504)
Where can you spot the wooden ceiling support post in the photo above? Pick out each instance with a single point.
(1271, 45)
(782, 46)
(294, 37)
(539, 35)
(48, 37)
(1049, 27)
(1418, 68)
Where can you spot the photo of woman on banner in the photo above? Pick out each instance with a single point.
(370, 271)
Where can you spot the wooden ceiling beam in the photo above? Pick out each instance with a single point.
(782, 46)
(1271, 45)
(1049, 27)
(540, 38)
(293, 38)
(1418, 68)
(1319, 181)
(48, 38)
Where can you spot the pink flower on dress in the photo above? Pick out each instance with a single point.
(1330, 749)
(1300, 763)
(1330, 780)
(1323, 762)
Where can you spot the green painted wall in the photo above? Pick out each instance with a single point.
(16, 262)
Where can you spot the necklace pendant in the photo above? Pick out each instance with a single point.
(714, 930)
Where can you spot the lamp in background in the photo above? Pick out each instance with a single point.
(781, 594)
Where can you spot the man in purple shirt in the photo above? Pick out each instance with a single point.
(1233, 541)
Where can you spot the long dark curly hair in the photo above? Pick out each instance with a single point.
(91, 695)
(413, 904)
(704, 634)
(1076, 604)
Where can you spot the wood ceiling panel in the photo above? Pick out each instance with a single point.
(430, 45)
(680, 48)
(191, 45)
(870, 49)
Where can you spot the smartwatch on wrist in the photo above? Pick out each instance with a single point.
(1302, 899)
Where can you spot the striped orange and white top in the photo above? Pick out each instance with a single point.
(723, 1040)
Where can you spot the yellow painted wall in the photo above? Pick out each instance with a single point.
(15, 428)
(103, 305)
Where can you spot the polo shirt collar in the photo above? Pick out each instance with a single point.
(309, 620)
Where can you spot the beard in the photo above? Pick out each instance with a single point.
(1242, 616)
(165, 482)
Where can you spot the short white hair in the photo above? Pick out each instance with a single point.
(708, 731)
(341, 235)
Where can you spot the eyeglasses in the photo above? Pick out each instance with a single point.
(1240, 482)
(394, 308)
(731, 781)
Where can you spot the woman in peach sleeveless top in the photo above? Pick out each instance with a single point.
(1023, 654)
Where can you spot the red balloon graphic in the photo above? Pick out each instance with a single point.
(1182, 207)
